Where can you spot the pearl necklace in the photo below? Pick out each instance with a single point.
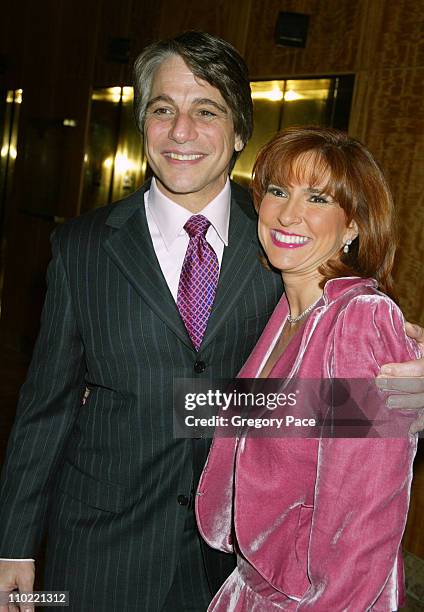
(293, 320)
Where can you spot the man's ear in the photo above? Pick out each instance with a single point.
(238, 144)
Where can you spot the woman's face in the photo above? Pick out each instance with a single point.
(301, 227)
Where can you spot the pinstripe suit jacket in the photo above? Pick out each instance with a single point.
(104, 477)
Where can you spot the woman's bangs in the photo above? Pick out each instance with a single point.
(307, 168)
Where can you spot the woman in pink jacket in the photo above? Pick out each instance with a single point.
(317, 523)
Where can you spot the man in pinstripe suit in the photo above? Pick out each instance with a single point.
(91, 459)
(105, 477)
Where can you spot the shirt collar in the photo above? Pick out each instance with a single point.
(170, 217)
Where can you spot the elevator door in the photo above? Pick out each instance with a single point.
(10, 101)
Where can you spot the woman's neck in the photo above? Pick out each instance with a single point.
(301, 292)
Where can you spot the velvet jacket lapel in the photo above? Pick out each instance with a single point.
(131, 248)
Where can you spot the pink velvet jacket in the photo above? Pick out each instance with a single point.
(320, 521)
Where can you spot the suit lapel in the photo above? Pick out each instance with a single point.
(238, 265)
(131, 248)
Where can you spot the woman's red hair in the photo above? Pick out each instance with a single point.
(352, 178)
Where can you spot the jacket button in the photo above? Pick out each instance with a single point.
(182, 500)
(199, 367)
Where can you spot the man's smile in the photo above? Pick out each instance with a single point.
(184, 157)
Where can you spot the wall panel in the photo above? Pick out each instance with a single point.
(400, 35)
(390, 120)
(115, 21)
(220, 17)
(324, 52)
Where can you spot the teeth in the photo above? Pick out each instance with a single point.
(181, 157)
(289, 239)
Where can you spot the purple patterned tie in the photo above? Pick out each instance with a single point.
(198, 280)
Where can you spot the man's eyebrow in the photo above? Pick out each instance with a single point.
(196, 101)
(210, 102)
(160, 98)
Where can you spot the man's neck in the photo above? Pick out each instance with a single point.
(194, 202)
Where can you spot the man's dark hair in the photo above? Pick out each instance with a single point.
(209, 58)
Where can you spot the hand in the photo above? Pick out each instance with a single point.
(407, 377)
(16, 575)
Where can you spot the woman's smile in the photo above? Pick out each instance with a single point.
(286, 240)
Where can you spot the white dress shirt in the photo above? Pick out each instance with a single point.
(166, 220)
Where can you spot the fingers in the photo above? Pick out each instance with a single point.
(25, 583)
(16, 575)
(404, 370)
(408, 395)
(414, 331)
(7, 584)
(418, 425)
(406, 402)
(405, 385)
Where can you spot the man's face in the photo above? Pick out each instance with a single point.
(189, 136)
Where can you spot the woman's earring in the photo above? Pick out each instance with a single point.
(346, 246)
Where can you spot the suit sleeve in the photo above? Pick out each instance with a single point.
(47, 409)
(363, 485)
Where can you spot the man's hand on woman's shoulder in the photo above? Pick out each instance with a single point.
(407, 380)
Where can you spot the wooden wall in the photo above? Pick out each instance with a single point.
(56, 51)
